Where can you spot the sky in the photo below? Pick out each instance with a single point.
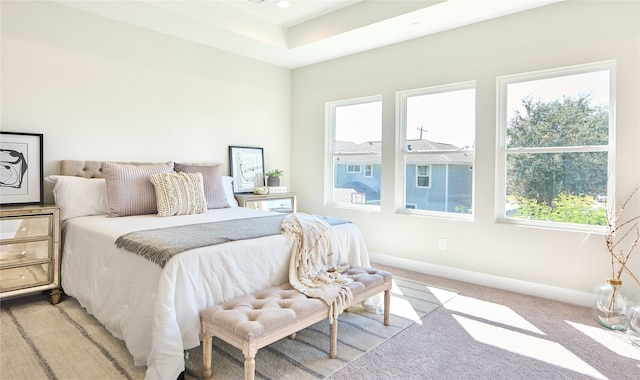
(596, 83)
(449, 117)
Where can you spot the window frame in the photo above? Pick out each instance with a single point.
(354, 169)
(330, 154)
(402, 151)
(368, 170)
(502, 151)
(418, 176)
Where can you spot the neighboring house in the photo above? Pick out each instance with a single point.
(436, 182)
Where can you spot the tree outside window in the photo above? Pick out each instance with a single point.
(556, 146)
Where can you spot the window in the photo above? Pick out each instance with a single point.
(437, 147)
(422, 175)
(368, 170)
(555, 146)
(353, 166)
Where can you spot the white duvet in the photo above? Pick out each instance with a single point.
(155, 310)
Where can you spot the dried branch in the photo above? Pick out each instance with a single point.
(615, 227)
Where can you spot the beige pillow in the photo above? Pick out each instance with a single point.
(179, 193)
(213, 183)
(129, 190)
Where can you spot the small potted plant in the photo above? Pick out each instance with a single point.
(273, 177)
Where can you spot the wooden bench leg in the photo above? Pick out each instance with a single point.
(207, 341)
(249, 350)
(333, 339)
(387, 306)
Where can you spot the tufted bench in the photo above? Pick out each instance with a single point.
(256, 320)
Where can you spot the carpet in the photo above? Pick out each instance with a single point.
(38, 340)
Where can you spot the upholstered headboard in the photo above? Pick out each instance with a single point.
(79, 168)
(93, 169)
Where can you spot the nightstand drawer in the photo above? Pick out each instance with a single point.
(25, 227)
(30, 250)
(280, 202)
(24, 277)
(24, 252)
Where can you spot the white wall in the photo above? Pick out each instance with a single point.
(551, 263)
(103, 90)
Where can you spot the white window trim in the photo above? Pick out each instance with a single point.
(330, 139)
(418, 175)
(501, 150)
(368, 170)
(402, 152)
(358, 170)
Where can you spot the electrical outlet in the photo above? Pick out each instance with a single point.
(442, 244)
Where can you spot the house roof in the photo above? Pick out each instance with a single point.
(418, 145)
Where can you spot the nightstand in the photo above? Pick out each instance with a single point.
(30, 250)
(285, 202)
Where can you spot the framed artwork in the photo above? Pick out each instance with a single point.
(21, 169)
(246, 166)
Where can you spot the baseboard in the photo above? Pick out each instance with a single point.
(530, 288)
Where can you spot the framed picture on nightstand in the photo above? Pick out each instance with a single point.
(246, 168)
(21, 172)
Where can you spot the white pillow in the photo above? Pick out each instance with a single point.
(228, 190)
(79, 196)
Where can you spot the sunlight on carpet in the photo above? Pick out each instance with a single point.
(500, 326)
(491, 312)
(527, 345)
(615, 341)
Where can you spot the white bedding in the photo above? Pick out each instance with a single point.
(155, 310)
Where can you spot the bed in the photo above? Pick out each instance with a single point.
(154, 309)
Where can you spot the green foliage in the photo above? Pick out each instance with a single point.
(275, 173)
(566, 208)
(462, 209)
(570, 122)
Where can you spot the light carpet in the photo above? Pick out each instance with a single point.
(38, 340)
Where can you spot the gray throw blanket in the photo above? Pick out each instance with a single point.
(161, 244)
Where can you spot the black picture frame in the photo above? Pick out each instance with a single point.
(246, 167)
(22, 170)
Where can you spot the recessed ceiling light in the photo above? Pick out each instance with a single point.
(282, 3)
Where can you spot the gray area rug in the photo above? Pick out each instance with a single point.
(39, 340)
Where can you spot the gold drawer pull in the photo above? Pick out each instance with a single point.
(22, 276)
(23, 229)
(23, 252)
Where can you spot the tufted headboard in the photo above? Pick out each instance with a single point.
(86, 169)
(93, 169)
(78, 168)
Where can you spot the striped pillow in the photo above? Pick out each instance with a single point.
(129, 190)
(213, 184)
(179, 193)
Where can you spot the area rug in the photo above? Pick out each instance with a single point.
(38, 340)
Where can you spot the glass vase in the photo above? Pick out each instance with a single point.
(610, 304)
(633, 325)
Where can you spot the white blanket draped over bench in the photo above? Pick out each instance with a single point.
(309, 270)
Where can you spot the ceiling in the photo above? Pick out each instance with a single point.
(307, 32)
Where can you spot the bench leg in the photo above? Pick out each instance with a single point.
(387, 306)
(249, 350)
(207, 341)
(333, 339)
